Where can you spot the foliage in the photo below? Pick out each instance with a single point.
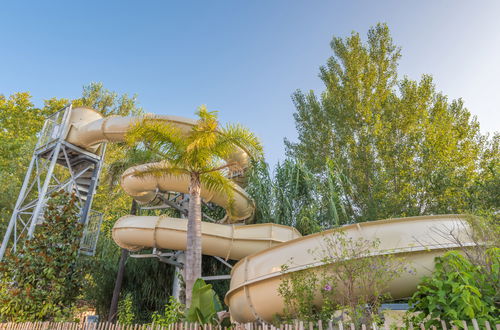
(459, 290)
(294, 196)
(404, 147)
(19, 123)
(299, 289)
(200, 155)
(204, 305)
(45, 277)
(360, 272)
(147, 281)
(126, 314)
(173, 313)
(351, 280)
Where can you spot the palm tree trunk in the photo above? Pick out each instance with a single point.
(192, 268)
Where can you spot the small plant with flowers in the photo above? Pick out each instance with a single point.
(351, 283)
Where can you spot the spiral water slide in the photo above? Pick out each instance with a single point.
(261, 248)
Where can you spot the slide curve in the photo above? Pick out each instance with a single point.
(261, 248)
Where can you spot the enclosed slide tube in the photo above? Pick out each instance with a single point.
(262, 248)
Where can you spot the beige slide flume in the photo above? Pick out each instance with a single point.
(226, 241)
(263, 248)
(253, 293)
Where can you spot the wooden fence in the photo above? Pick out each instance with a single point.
(249, 326)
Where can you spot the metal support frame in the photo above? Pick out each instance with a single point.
(179, 202)
(78, 173)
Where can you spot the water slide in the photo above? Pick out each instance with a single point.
(260, 248)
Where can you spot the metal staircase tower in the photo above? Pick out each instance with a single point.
(56, 165)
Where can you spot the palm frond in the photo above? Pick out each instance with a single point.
(204, 133)
(131, 156)
(217, 182)
(159, 136)
(235, 135)
(206, 115)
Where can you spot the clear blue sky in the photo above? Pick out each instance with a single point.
(243, 58)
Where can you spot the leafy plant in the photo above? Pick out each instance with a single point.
(126, 314)
(351, 281)
(204, 305)
(43, 280)
(458, 290)
(173, 313)
(361, 276)
(294, 196)
(299, 289)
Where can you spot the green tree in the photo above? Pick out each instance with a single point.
(20, 120)
(201, 156)
(294, 196)
(403, 147)
(43, 280)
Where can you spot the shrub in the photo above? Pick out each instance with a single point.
(459, 290)
(43, 280)
(350, 281)
(173, 313)
(126, 314)
(298, 290)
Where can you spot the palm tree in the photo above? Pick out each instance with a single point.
(202, 154)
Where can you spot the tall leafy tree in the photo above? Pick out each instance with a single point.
(398, 147)
(201, 156)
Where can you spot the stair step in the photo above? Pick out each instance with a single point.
(83, 189)
(83, 181)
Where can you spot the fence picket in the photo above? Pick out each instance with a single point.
(296, 325)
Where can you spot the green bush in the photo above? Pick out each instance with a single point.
(173, 313)
(126, 314)
(298, 290)
(349, 281)
(43, 280)
(459, 290)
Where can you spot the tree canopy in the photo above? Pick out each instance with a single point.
(404, 148)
